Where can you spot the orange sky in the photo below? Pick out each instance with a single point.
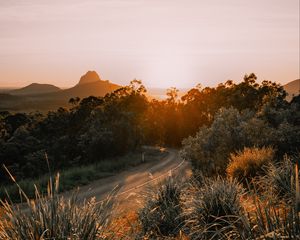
(162, 42)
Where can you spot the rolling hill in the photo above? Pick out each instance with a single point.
(35, 88)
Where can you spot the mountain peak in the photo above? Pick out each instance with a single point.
(89, 77)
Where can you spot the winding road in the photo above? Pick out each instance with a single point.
(131, 184)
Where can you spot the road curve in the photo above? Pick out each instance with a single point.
(131, 183)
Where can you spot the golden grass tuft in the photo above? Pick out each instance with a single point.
(249, 163)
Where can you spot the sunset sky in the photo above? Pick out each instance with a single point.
(162, 42)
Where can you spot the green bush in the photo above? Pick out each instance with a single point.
(249, 163)
(160, 216)
(231, 131)
(209, 149)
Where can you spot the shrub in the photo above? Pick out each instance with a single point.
(249, 163)
(160, 215)
(53, 217)
(214, 209)
(231, 131)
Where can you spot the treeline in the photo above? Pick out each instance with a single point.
(172, 120)
(95, 128)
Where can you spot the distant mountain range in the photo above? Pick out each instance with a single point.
(46, 97)
(292, 88)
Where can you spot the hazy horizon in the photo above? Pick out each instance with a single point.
(165, 44)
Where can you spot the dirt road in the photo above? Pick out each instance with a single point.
(132, 183)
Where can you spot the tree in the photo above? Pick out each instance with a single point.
(74, 101)
(172, 95)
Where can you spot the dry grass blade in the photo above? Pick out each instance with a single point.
(297, 187)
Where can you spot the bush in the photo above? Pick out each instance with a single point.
(249, 163)
(214, 209)
(53, 217)
(231, 131)
(160, 215)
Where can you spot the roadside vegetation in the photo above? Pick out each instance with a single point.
(222, 208)
(78, 176)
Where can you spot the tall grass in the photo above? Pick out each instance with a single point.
(270, 221)
(51, 216)
(69, 179)
(161, 214)
(218, 208)
(281, 180)
(212, 209)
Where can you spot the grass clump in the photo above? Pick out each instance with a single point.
(249, 163)
(277, 219)
(214, 209)
(160, 216)
(281, 180)
(269, 221)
